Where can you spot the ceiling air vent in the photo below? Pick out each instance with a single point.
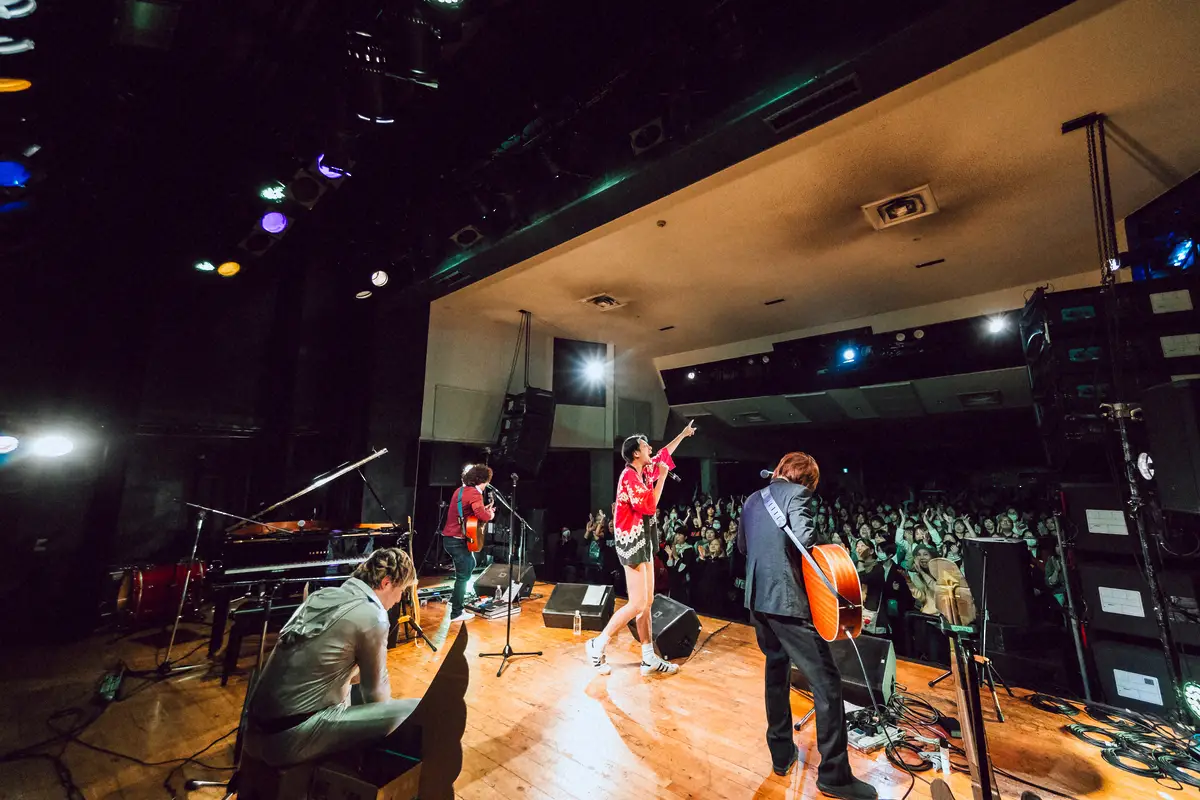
(836, 93)
(752, 418)
(910, 205)
(603, 301)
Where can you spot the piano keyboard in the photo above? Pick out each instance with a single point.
(297, 565)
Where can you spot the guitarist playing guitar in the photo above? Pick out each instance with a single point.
(465, 518)
(784, 624)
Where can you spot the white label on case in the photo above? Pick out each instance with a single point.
(1168, 302)
(1138, 687)
(1101, 520)
(1121, 601)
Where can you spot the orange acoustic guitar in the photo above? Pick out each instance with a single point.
(830, 580)
(474, 529)
(836, 613)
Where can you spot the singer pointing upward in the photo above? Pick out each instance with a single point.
(638, 491)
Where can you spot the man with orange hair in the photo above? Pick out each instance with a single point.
(779, 609)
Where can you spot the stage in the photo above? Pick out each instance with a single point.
(549, 728)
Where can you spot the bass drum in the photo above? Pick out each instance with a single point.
(151, 594)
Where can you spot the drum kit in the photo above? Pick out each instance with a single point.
(142, 595)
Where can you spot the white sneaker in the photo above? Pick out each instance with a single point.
(596, 657)
(463, 617)
(658, 666)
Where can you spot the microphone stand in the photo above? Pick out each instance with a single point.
(166, 667)
(507, 653)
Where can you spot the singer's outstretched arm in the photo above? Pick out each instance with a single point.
(690, 430)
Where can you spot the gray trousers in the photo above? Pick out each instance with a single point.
(337, 728)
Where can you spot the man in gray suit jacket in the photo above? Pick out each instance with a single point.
(779, 609)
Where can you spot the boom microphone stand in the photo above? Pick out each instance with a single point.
(507, 653)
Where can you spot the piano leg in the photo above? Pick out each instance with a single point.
(220, 617)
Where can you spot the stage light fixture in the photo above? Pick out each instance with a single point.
(691, 376)
(8, 444)
(273, 194)
(1191, 698)
(1181, 254)
(363, 295)
(1145, 466)
(229, 269)
(205, 266)
(15, 9)
(51, 446)
(13, 84)
(593, 371)
(273, 222)
(997, 324)
(379, 278)
(331, 172)
(845, 470)
(11, 47)
(13, 174)
(849, 355)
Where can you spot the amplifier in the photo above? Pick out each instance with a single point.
(673, 626)
(593, 602)
(878, 656)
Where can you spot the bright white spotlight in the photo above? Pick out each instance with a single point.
(52, 446)
(997, 324)
(379, 278)
(593, 371)
(8, 444)
(691, 376)
(849, 355)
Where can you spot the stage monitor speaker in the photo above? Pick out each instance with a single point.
(1136, 677)
(1118, 600)
(446, 461)
(494, 580)
(879, 657)
(1173, 429)
(673, 626)
(1096, 518)
(594, 604)
(1009, 578)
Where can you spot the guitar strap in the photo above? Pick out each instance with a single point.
(462, 521)
(780, 520)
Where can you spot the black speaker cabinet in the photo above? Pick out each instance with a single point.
(1135, 677)
(1096, 519)
(594, 604)
(1173, 428)
(1009, 578)
(673, 626)
(525, 429)
(494, 580)
(1117, 599)
(879, 657)
(446, 462)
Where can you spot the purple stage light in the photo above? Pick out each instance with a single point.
(274, 222)
(333, 173)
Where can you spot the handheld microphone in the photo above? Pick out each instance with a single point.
(674, 477)
(766, 473)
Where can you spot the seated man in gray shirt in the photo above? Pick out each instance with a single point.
(301, 707)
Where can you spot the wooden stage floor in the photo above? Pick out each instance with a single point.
(547, 729)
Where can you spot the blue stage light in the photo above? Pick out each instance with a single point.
(849, 355)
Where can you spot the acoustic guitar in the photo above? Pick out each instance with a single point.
(474, 529)
(837, 613)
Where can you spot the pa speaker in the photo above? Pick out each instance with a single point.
(1004, 566)
(1136, 677)
(673, 626)
(878, 656)
(594, 604)
(525, 429)
(1173, 428)
(445, 464)
(494, 580)
(1097, 513)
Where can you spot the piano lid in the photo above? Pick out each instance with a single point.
(248, 530)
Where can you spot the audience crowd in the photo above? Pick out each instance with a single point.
(891, 541)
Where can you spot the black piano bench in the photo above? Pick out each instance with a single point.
(247, 621)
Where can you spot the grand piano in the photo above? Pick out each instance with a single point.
(269, 563)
